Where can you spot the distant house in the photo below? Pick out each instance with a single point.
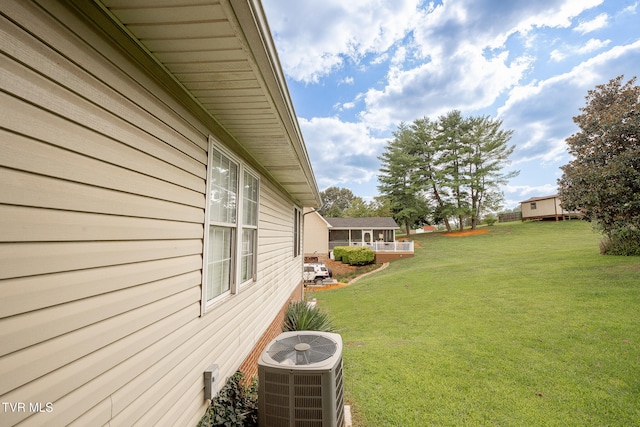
(547, 207)
(153, 178)
(378, 233)
(424, 229)
(316, 234)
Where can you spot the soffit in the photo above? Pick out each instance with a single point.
(223, 55)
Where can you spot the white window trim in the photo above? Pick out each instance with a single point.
(240, 226)
(235, 285)
(297, 232)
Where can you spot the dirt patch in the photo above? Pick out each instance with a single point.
(466, 233)
(338, 268)
(313, 288)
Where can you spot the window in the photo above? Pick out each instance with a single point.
(297, 235)
(533, 205)
(249, 227)
(232, 225)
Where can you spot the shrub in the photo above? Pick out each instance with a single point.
(360, 255)
(339, 252)
(490, 220)
(624, 241)
(302, 317)
(235, 405)
(353, 255)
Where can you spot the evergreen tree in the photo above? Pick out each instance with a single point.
(488, 154)
(408, 206)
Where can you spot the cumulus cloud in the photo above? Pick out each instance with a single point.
(590, 46)
(531, 190)
(331, 142)
(541, 112)
(315, 38)
(596, 23)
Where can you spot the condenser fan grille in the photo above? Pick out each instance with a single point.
(302, 349)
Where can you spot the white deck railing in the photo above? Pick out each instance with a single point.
(379, 246)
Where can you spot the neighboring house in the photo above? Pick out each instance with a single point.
(153, 178)
(547, 207)
(378, 233)
(316, 235)
(424, 229)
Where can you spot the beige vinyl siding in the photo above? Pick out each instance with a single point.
(316, 235)
(544, 208)
(102, 208)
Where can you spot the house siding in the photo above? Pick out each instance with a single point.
(316, 235)
(546, 207)
(102, 208)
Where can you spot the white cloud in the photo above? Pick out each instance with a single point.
(347, 81)
(315, 38)
(585, 75)
(631, 9)
(596, 23)
(341, 152)
(557, 56)
(527, 190)
(467, 80)
(590, 46)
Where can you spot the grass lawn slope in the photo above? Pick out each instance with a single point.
(527, 325)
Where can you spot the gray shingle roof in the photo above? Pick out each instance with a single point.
(373, 222)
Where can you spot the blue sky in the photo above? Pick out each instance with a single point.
(356, 69)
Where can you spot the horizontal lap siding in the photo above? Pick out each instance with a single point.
(102, 208)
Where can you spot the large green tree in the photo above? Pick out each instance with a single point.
(396, 178)
(430, 173)
(335, 201)
(456, 161)
(486, 158)
(603, 179)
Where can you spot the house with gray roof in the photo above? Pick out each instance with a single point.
(321, 235)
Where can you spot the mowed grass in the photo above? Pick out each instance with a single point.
(527, 325)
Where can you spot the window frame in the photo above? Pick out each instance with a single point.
(236, 279)
(297, 232)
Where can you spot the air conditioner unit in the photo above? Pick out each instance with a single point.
(300, 381)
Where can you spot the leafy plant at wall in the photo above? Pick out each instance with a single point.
(236, 405)
(302, 317)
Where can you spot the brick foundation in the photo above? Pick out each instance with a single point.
(250, 365)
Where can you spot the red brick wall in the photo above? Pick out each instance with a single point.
(250, 365)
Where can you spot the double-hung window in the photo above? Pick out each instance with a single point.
(231, 225)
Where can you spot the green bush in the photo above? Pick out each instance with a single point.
(339, 252)
(354, 255)
(622, 242)
(490, 220)
(360, 255)
(235, 405)
(302, 317)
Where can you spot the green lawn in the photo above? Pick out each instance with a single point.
(525, 326)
